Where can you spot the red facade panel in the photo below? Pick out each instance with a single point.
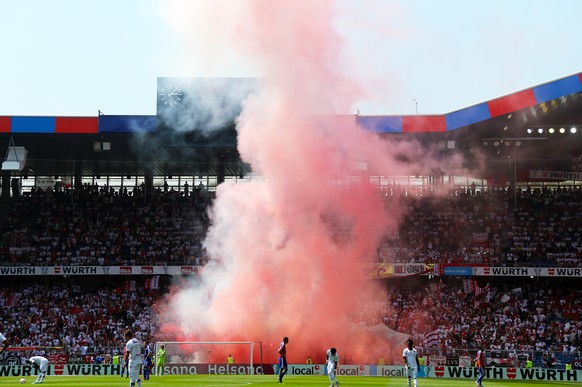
(511, 103)
(77, 125)
(421, 124)
(5, 124)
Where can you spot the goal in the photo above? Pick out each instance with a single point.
(210, 357)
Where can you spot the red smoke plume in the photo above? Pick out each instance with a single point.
(286, 249)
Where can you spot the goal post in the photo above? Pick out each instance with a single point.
(212, 357)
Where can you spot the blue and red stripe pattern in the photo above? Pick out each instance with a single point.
(381, 124)
(476, 113)
(77, 125)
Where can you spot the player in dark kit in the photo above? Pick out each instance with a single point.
(147, 363)
(124, 369)
(480, 363)
(283, 359)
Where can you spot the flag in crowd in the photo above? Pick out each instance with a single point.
(152, 283)
(480, 238)
(471, 286)
(432, 338)
(478, 289)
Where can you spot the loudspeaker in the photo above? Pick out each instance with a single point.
(15, 158)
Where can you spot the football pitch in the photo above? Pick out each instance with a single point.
(269, 380)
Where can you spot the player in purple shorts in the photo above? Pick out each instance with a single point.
(283, 359)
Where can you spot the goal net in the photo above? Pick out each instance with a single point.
(208, 357)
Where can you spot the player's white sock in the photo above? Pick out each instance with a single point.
(415, 383)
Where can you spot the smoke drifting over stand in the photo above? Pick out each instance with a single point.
(286, 250)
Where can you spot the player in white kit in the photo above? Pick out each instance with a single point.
(5, 343)
(133, 358)
(411, 362)
(41, 365)
(332, 359)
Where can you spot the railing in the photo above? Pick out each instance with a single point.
(7, 260)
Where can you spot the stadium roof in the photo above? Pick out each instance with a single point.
(58, 145)
(534, 96)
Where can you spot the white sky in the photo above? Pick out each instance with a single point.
(75, 57)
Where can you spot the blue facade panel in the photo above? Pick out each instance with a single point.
(33, 124)
(381, 124)
(557, 89)
(127, 124)
(467, 116)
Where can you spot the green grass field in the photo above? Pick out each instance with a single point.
(268, 380)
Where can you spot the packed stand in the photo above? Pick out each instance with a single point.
(99, 226)
(517, 317)
(77, 316)
(472, 226)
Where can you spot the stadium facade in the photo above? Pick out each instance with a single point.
(531, 136)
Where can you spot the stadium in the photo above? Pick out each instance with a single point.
(103, 216)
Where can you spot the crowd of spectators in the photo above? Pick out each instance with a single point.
(540, 227)
(507, 317)
(77, 316)
(100, 226)
(524, 317)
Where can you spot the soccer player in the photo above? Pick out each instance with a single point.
(124, 369)
(332, 359)
(161, 360)
(133, 358)
(5, 343)
(411, 362)
(147, 362)
(283, 358)
(480, 363)
(41, 365)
